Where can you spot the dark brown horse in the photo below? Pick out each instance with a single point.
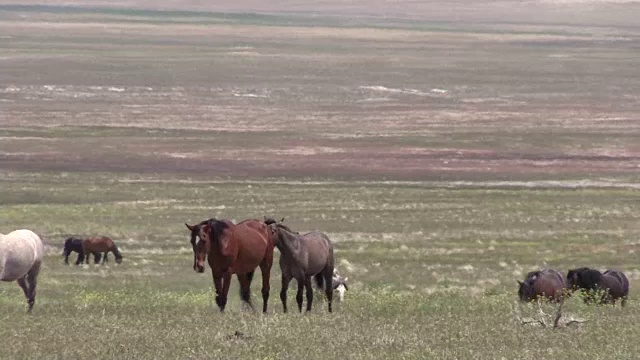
(101, 244)
(303, 257)
(233, 249)
(613, 284)
(546, 284)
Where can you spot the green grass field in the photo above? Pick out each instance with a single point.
(444, 159)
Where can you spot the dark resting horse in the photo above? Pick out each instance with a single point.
(233, 249)
(613, 283)
(75, 244)
(547, 284)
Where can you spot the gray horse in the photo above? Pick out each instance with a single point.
(21, 254)
(301, 257)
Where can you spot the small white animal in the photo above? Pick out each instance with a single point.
(340, 284)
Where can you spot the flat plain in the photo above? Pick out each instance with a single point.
(445, 158)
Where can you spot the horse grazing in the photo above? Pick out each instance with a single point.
(233, 249)
(21, 254)
(99, 245)
(304, 256)
(613, 283)
(547, 283)
(74, 244)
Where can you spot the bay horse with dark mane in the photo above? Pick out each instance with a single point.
(549, 284)
(233, 249)
(101, 244)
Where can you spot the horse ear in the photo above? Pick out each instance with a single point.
(190, 227)
(282, 220)
(519, 282)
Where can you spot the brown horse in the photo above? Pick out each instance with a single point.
(301, 257)
(101, 244)
(233, 249)
(613, 283)
(547, 283)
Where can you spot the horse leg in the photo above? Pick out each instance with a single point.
(32, 279)
(307, 284)
(23, 285)
(286, 279)
(328, 290)
(245, 287)
(217, 284)
(301, 282)
(226, 282)
(265, 269)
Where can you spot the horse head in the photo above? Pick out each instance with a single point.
(201, 244)
(272, 231)
(275, 232)
(194, 237)
(195, 230)
(525, 288)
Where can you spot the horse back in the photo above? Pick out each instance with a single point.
(98, 244)
(622, 278)
(20, 251)
(253, 242)
(550, 283)
(28, 237)
(319, 249)
(615, 283)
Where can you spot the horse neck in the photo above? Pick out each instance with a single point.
(290, 243)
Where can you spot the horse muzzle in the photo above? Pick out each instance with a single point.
(198, 268)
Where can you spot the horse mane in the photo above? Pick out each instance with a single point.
(531, 277)
(216, 228)
(291, 235)
(196, 229)
(283, 226)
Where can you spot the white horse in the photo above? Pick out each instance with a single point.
(21, 254)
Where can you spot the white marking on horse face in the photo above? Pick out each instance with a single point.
(341, 290)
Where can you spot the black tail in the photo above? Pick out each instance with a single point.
(319, 280)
